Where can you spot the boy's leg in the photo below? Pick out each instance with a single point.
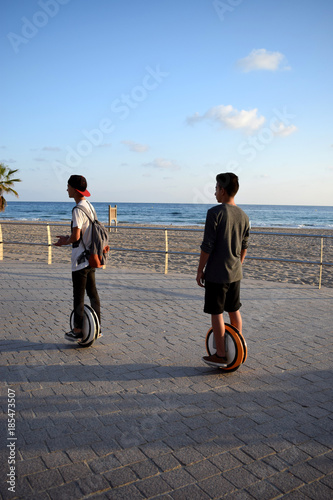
(93, 293)
(233, 304)
(79, 279)
(219, 333)
(236, 320)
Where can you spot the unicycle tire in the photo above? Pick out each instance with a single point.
(236, 347)
(90, 328)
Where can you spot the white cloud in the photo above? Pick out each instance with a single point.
(231, 118)
(162, 164)
(136, 147)
(263, 176)
(281, 130)
(262, 59)
(50, 148)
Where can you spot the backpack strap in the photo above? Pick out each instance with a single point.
(83, 209)
(86, 211)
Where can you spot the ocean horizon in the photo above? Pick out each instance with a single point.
(178, 214)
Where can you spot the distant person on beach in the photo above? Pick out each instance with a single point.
(223, 251)
(83, 276)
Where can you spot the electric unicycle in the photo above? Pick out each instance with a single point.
(90, 328)
(236, 348)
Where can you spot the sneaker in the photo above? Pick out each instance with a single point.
(74, 337)
(215, 360)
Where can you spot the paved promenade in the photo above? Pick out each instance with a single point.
(140, 416)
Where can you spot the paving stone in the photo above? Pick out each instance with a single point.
(216, 486)
(45, 480)
(74, 471)
(23, 489)
(190, 492)
(129, 456)
(240, 477)
(188, 456)
(152, 487)
(144, 469)
(166, 462)
(56, 459)
(26, 467)
(263, 490)
(258, 451)
(81, 454)
(238, 495)
(122, 493)
(261, 469)
(306, 472)
(177, 478)
(285, 481)
(293, 455)
(92, 483)
(225, 461)
(317, 490)
(70, 490)
(276, 462)
(121, 476)
(104, 464)
(323, 463)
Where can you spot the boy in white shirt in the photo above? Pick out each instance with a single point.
(83, 276)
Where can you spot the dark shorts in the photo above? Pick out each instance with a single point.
(221, 297)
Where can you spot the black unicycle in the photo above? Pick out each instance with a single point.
(90, 327)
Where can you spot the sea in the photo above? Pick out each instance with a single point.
(178, 214)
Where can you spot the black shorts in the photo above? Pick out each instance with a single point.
(220, 297)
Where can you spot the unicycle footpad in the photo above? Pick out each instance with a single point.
(90, 327)
(236, 348)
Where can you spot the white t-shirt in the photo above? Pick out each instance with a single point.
(81, 221)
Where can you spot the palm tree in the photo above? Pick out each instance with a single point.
(6, 183)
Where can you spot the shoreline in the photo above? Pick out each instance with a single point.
(282, 243)
(277, 229)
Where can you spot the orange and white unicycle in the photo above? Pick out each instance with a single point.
(235, 344)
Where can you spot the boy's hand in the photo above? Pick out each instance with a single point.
(61, 241)
(201, 279)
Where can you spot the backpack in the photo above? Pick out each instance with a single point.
(97, 252)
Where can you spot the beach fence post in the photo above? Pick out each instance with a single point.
(112, 216)
(49, 244)
(1, 244)
(166, 251)
(321, 261)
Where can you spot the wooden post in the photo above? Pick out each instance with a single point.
(109, 218)
(1, 244)
(49, 243)
(321, 260)
(166, 252)
(112, 216)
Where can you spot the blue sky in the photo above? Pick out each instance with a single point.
(150, 99)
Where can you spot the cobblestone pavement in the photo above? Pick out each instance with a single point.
(138, 415)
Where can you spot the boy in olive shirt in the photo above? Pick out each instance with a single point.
(223, 251)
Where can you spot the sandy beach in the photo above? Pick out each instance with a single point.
(261, 245)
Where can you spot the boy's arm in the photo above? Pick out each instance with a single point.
(68, 240)
(202, 263)
(245, 243)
